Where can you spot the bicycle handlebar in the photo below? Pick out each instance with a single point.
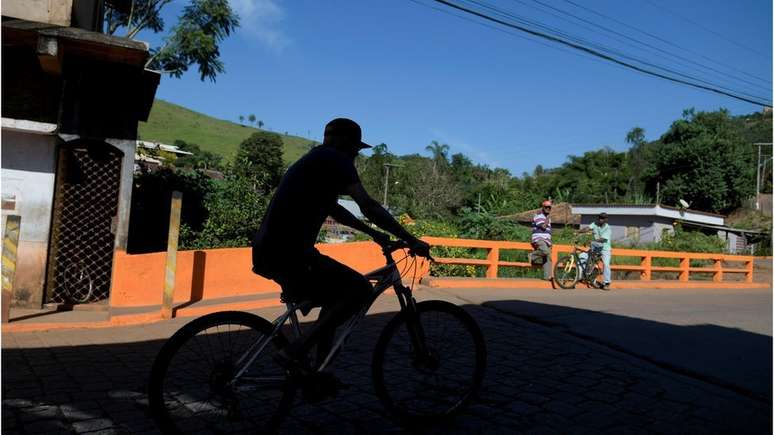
(393, 246)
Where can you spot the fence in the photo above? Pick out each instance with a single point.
(646, 267)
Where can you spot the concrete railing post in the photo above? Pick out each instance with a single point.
(171, 265)
(647, 264)
(10, 247)
(493, 257)
(685, 265)
(748, 276)
(718, 266)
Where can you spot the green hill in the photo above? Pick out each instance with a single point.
(168, 122)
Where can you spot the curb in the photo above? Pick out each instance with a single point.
(142, 318)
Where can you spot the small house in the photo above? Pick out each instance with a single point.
(647, 223)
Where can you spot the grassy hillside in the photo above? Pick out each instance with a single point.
(169, 122)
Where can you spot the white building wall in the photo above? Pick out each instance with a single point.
(27, 177)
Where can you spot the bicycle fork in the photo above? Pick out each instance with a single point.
(408, 306)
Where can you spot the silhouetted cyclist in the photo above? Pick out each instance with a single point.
(283, 249)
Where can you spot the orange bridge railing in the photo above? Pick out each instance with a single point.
(646, 267)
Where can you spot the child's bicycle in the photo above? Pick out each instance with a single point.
(580, 265)
(216, 374)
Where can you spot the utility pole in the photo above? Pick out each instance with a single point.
(386, 180)
(758, 173)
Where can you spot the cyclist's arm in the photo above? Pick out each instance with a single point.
(378, 215)
(344, 217)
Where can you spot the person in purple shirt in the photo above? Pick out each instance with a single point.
(541, 238)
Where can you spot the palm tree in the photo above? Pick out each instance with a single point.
(440, 152)
(251, 118)
(260, 124)
(241, 119)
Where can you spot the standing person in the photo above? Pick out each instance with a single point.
(601, 235)
(541, 238)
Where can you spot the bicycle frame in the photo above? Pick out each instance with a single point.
(386, 276)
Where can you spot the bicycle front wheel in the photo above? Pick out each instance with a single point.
(194, 384)
(567, 272)
(418, 386)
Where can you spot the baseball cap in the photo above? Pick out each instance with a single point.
(346, 128)
(603, 215)
(547, 203)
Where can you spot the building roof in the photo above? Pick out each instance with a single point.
(163, 147)
(351, 207)
(58, 39)
(686, 215)
(561, 214)
(722, 228)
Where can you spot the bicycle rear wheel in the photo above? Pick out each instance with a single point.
(567, 272)
(192, 387)
(78, 285)
(420, 388)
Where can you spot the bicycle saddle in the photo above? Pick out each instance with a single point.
(305, 306)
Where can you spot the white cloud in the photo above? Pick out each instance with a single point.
(262, 19)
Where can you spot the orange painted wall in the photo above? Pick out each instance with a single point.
(214, 273)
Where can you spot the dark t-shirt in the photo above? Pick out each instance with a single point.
(305, 197)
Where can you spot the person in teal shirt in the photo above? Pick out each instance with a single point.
(602, 235)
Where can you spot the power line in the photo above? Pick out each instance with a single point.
(601, 48)
(601, 55)
(706, 29)
(637, 41)
(668, 42)
(500, 29)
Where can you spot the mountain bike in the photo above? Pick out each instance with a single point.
(216, 374)
(580, 265)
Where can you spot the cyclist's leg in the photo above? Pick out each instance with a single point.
(341, 291)
(606, 272)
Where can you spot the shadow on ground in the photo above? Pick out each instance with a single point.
(538, 380)
(730, 357)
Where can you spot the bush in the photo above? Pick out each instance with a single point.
(690, 241)
(434, 228)
(235, 209)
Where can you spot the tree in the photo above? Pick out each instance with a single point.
(702, 159)
(194, 40)
(635, 136)
(235, 208)
(260, 124)
(241, 119)
(260, 156)
(440, 154)
(251, 118)
(638, 157)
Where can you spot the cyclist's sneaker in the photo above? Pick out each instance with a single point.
(606, 286)
(321, 385)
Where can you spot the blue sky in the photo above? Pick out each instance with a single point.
(410, 74)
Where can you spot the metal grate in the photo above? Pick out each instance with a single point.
(87, 202)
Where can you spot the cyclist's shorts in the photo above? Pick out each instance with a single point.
(318, 278)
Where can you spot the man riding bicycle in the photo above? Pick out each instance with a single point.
(283, 249)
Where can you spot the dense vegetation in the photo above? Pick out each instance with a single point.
(704, 158)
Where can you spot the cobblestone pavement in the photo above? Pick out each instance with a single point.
(539, 380)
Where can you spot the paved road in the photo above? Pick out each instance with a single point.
(540, 379)
(724, 336)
